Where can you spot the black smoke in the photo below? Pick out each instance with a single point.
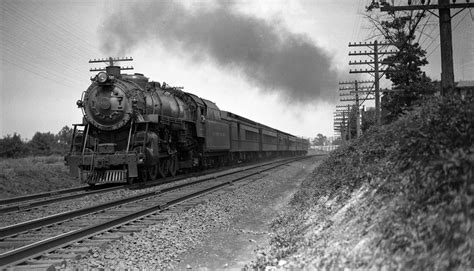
(267, 54)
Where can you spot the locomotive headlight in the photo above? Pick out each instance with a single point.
(102, 77)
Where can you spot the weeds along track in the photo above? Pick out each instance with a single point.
(31, 242)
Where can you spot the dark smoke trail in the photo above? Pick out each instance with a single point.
(269, 56)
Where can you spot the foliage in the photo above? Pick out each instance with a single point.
(12, 146)
(320, 140)
(40, 144)
(419, 171)
(404, 67)
(337, 141)
(63, 138)
(368, 119)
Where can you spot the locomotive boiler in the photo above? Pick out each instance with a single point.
(134, 128)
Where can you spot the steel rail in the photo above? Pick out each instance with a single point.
(41, 195)
(29, 205)
(15, 229)
(36, 249)
(85, 188)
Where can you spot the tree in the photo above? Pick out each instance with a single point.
(63, 138)
(368, 119)
(12, 146)
(320, 140)
(42, 143)
(405, 73)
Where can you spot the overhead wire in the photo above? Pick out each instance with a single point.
(59, 34)
(37, 51)
(454, 29)
(42, 56)
(28, 65)
(42, 75)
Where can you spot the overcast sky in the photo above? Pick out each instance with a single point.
(277, 62)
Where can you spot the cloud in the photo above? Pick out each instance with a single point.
(266, 53)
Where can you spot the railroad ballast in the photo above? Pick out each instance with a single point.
(134, 128)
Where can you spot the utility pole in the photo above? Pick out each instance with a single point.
(358, 131)
(375, 64)
(340, 122)
(445, 34)
(355, 89)
(343, 124)
(111, 63)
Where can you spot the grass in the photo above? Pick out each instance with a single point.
(19, 176)
(400, 197)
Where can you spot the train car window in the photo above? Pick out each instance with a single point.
(252, 136)
(269, 139)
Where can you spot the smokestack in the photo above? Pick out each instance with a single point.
(113, 70)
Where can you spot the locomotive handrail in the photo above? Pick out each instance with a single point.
(129, 136)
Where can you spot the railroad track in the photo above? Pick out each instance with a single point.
(28, 202)
(41, 199)
(28, 243)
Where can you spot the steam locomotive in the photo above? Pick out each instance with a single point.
(134, 129)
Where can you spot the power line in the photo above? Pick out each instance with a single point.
(432, 51)
(38, 74)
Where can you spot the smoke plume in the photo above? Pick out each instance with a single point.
(268, 55)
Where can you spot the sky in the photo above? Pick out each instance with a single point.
(276, 62)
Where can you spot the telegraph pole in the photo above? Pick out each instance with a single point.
(111, 63)
(358, 131)
(355, 89)
(339, 123)
(375, 54)
(343, 124)
(445, 34)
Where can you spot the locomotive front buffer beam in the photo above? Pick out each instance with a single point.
(104, 168)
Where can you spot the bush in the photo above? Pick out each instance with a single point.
(419, 171)
(40, 144)
(12, 146)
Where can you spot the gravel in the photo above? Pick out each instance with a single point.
(161, 245)
(87, 201)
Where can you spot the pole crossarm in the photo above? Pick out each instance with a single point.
(372, 71)
(445, 34)
(353, 100)
(363, 91)
(359, 82)
(365, 53)
(353, 88)
(369, 62)
(426, 7)
(104, 69)
(361, 44)
(110, 60)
